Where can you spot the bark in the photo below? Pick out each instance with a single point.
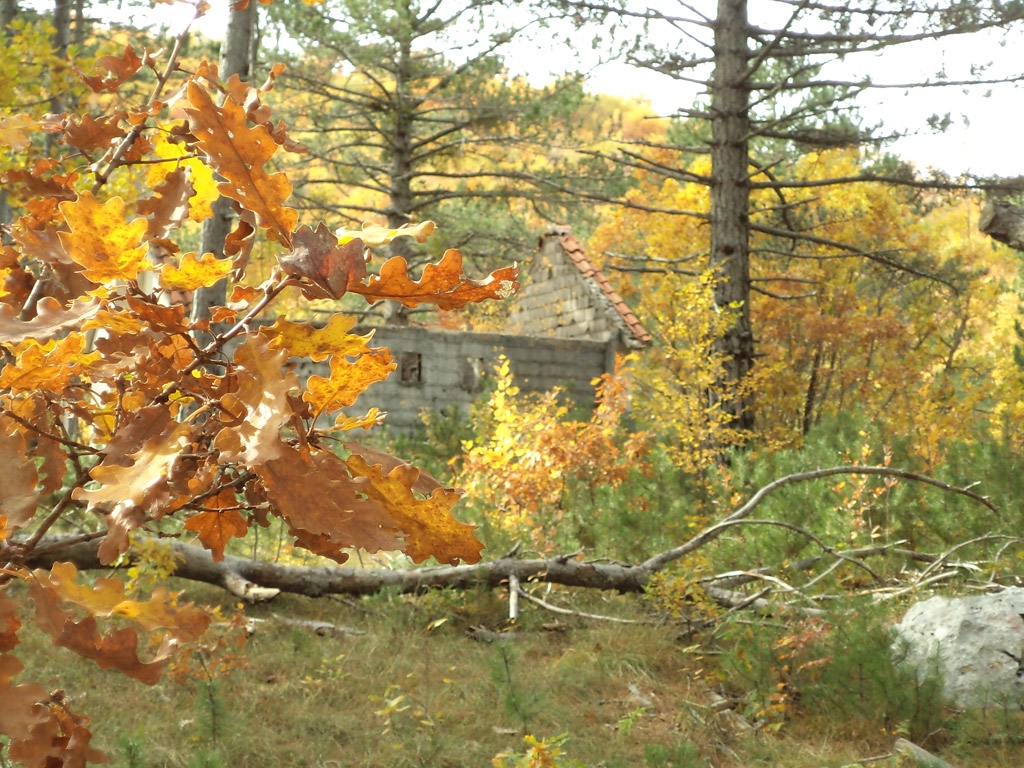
(730, 197)
(235, 57)
(257, 581)
(1004, 222)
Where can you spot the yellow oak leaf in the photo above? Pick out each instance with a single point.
(347, 380)
(373, 418)
(15, 131)
(373, 235)
(428, 525)
(442, 284)
(306, 340)
(200, 175)
(108, 247)
(194, 273)
(49, 367)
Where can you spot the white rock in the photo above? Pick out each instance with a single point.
(977, 643)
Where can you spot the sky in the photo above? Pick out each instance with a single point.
(984, 138)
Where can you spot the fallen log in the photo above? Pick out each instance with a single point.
(258, 581)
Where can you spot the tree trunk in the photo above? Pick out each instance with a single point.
(61, 40)
(235, 57)
(1004, 222)
(730, 195)
(8, 10)
(400, 182)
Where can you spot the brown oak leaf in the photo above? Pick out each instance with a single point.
(324, 506)
(239, 154)
(88, 133)
(215, 527)
(51, 318)
(120, 67)
(331, 268)
(168, 208)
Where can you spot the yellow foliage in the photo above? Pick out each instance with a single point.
(529, 451)
(850, 333)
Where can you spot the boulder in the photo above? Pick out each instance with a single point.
(976, 644)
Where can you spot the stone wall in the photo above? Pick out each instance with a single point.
(558, 301)
(438, 368)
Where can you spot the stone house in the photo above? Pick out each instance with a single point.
(565, 329)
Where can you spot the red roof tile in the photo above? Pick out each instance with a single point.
(572, 248)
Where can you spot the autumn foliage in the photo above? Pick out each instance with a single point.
(530, 454)
(119, 408)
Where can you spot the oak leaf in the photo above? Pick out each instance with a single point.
(106, 598)
(24, 709)
(51, 318)
(108, 247)
(134, 486)
(239, 153)
(429, 528)
(117, 649)
(373, 418)
(9, 623)
(47, 367)
(192, 273)
(168, 208)
(306, 340)
(325, 507)
(256, 405)
(347, 380)
(374, 235)
(15, 131)
(442, 284)
(34, 411)
(88, 133)
(331, 268)
(120, 67)
(199, 176)
(216, 526)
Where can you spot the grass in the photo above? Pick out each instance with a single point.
(417, 690)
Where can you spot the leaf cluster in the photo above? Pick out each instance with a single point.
(163, 432)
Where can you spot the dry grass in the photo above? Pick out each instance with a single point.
(418, 690)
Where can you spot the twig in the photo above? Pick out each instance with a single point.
(172, 62)
(567, 612)
(945, 555)
(662, 559)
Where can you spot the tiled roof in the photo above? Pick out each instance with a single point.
(572, 248)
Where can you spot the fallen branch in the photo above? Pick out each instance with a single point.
(256, 581)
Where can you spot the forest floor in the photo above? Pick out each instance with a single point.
(426, 681)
